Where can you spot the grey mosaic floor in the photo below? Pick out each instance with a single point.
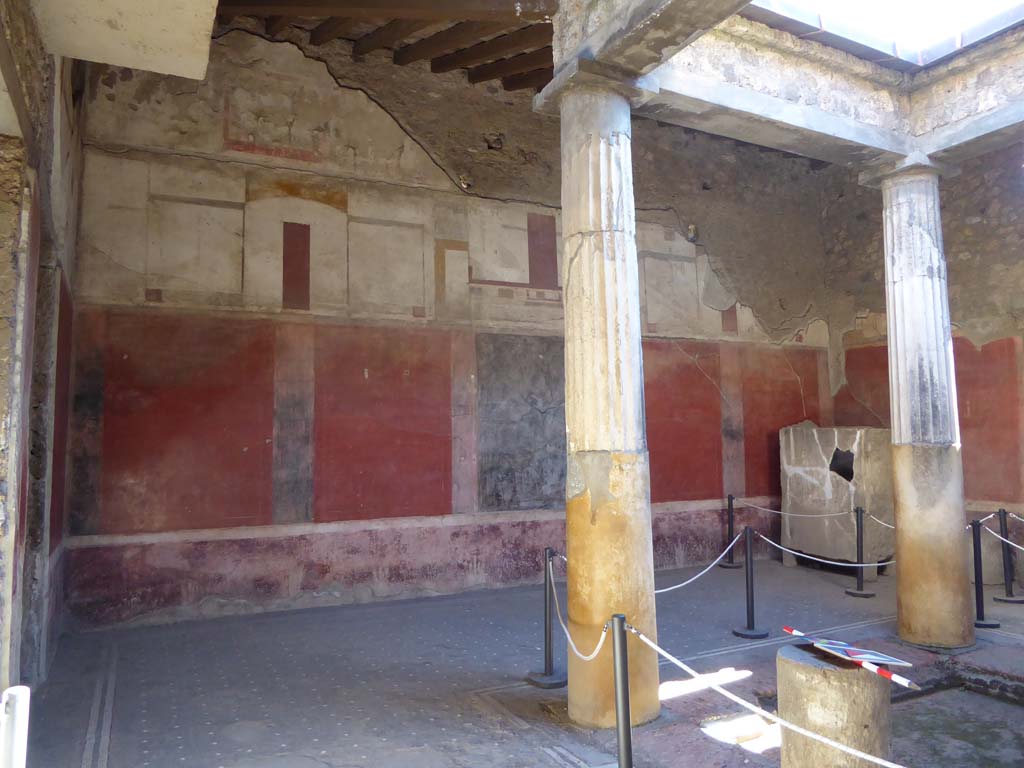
(430, 683)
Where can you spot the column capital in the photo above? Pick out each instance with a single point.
(587, 73)
(914, 163)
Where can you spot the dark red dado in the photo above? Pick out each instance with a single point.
(164, 580)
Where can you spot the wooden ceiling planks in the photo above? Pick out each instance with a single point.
(529, 38)
(486, 37)
(434, 10)
(454, 38)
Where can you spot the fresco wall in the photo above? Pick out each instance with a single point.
(309, 368)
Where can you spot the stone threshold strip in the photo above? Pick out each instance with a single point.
(756, 709)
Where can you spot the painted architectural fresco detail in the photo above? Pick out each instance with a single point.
(521, 432)
(189, 193)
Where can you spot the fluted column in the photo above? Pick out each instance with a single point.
(933, 590)
(608, 514)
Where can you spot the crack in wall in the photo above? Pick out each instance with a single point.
(239, 26)
(799, 380)
(696, 362)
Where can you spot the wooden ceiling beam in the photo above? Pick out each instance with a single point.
(434, 10)
(331, 30)
(516, 65)
(451, 39)
(277, 24)
(389, 35)
(536, 79)
(536, 36)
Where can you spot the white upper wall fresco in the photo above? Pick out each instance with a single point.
(261, 103)
(156, 35)
(268, 188)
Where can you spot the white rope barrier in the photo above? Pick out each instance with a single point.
(750, 504)
(1017, 517)
(983, 520)
(881, 522)
(1012, 544)
(819, 560)
(758, 711)
(568, 637)
(716, 561)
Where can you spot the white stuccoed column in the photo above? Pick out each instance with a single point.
(933, 601)
(608, 510)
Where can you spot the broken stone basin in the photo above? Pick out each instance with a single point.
(829, 470)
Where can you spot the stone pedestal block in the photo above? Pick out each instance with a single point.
(829, 470)
(834, 699)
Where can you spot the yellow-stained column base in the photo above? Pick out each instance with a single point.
(934, 605)
(610, 571)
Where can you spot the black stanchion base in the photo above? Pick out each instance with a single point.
(730, 565)
(986, 624)
(540, 680)
(751, 634)
(1014, 599)
(859, 593)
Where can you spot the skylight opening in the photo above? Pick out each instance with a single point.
(917, 31)
(911, 24)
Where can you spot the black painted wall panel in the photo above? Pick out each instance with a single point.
(521, 411)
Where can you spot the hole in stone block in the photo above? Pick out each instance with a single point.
(842, 464)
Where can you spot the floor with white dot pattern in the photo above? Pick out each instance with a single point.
(426, 683)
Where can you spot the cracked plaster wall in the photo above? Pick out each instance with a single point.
(983, 232)
(266, 105)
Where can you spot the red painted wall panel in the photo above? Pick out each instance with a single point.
(988, 395)
(684, 420)
(187, 423)
(864, 400)
(61, 404)
(780, 388)
(383, 430)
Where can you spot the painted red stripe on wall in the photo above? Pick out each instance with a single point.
(295, 266)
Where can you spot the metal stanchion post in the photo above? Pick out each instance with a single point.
(979, 580)
(1004, 531)
(730, 560)
(620, 661)
(750, 632)
(549, 678)
(860, 591)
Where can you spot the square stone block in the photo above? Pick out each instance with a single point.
(827, 471)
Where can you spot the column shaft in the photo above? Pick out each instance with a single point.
(608, 515)
(933, 601)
